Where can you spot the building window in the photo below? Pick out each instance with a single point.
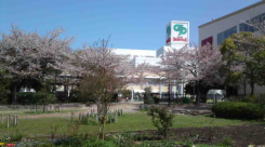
(258, 19)
(206, 41)
(223, 35)
(246, 28)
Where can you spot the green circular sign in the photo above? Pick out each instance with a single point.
(180, 29)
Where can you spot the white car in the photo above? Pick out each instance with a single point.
(216, 94)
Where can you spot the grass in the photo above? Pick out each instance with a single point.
(128, 122)
(22, 112)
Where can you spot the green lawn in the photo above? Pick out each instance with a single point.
(127, 122)
(33, 112)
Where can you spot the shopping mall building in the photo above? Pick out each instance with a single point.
(217, 30)
(177, 37)
(213, 32)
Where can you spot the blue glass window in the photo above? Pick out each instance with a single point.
(259, 18)
(223, 35)
(246, 28)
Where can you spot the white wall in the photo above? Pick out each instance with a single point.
(135, 52)
(140, 56)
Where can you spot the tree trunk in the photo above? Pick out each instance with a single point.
(245, 87)
(197, 92)
(102, 112)
(252, 85)
(14, 94)
(44, 108)
(169, 93)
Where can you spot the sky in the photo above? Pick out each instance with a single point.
(133, 24)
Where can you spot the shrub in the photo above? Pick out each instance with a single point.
(69, 141)
(26, 98)
(258, 99)
(239, 110)
(162, 119)
(35, 98)
(148, 99)
(186, 100)
(99, 143)
(156, 99)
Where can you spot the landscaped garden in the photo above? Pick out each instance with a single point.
(66, 128)
(40, 77)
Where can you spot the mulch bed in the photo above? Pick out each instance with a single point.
(240, 136)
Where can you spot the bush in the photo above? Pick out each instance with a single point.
(99, 143)
(69, 141)
(148, 98)
(162, 119)
(239, 110)
(258, 99)
(183, 101)
(42, 98)
(156, 99)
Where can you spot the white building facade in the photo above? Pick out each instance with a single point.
(177, 37)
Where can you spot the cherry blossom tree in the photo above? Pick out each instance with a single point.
(31, 57)
(193, 64)
(102, 77)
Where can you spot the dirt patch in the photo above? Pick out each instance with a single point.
(239, 136)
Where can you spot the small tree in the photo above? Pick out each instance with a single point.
(101, 70)
(148, 99)
(162, 119)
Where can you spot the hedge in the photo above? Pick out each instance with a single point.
(27, 98)
(239, 110)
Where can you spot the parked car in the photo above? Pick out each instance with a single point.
(216, 94)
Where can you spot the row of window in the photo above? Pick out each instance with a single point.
(223, 35)
(243, 27)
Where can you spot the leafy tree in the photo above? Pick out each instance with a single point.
(242, 56)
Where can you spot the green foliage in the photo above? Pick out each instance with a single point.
(257, 99)
(148, 98)
(99, 143)
(239, 110)
(183, 100)
(15, 136)
(4, 87)
(126, 93)
(93, 118)
(227, 141)
(138, 121)
(162, 119)
(156, 99)
(42, 98)
(71, 141)
(244, 56)
(186, 100)
(8, 121)
(163, 143)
